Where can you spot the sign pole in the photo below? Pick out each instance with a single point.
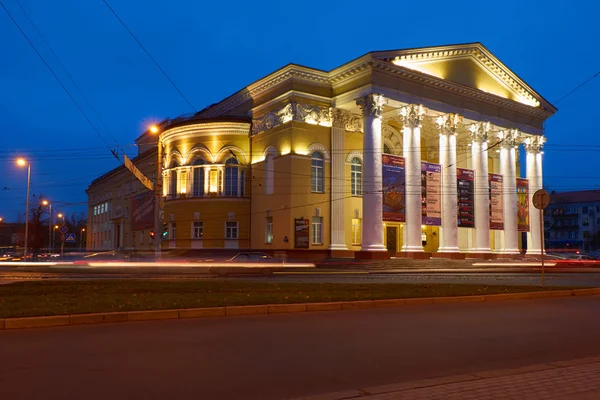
(542, 242)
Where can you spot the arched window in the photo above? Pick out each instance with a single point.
(231, 177)
(173, 181)
(356, 176)
(387, 149)
(317, 180)
(198, 183)
(269, 173)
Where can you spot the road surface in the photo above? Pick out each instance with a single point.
(272, 357)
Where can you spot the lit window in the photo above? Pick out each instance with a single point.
(317, 230)
(231, 177)
(269, 230)
(198, 229)
(356, 231)
(356, 176)
(198, 185)
(317, 178)
(213, 181)
(231, 230)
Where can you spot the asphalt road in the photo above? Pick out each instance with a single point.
(272, 357)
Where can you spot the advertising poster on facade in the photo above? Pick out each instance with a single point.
(466, 197)
(431, 194)
(522, 205)
(301, 233)
(142, 211)
(394, 177)
(496, 201)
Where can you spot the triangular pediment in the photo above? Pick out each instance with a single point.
(467, 64)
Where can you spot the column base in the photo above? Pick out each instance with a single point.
(373, 247)
(371, 255)
(412, 249)
(338, 247)
(448, 250)
(482, 250)
(509, 251)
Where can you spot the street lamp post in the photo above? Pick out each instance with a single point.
(62, 236)
(21, 162)
(158, 195)
(50, 244)
(81, 239)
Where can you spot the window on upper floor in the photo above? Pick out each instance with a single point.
(317, 181)
(198, 178)
(231, 177)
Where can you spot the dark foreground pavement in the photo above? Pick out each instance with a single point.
(279, 356)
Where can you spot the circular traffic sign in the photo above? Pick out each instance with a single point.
(541, 199)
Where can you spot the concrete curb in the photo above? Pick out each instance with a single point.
(186, 313)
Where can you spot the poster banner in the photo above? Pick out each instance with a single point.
(301, 233)
(142, 211)
(466, 197)
(431, 194)
(522, 205)
(496, 201)
(394, 177)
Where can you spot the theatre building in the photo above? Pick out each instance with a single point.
(404, 153)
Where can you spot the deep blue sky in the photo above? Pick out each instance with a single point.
(212, 49)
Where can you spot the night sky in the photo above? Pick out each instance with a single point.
(212, 49)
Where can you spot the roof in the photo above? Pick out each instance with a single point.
(581, 196)
(122, 167)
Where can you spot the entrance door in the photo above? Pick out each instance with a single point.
(391, 234)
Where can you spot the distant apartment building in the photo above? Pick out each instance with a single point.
(572, 220)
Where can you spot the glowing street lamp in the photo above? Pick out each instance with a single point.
(22, 162)
(50, 241)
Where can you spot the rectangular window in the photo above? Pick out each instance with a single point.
(242, 183)
(231, 181)
(198, 229)
(356, 233)
(586, 222)
(173, 230)
(317, 230)
(586, 234)
(584, 210)
(141, 237)
(269, 230)
(231, 230)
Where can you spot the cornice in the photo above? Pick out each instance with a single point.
(206, 129)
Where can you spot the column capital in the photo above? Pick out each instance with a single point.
(480, 131)
(534, 144)
(412, 115)
(371, 104)
(346, 120)
(509, 137)
(447, 123)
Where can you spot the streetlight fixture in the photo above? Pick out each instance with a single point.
(22, 162)
(50, 242)
(157, 193)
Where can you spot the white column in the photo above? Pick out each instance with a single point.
(533, 146)
(372, 238)
(449, 229)
(479, 134)
(411, 118)
(508, 168)
(338, 133)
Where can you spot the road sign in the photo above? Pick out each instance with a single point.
(70, 237)
(541, 198)
(63, 229)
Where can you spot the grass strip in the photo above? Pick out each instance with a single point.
(26, 299)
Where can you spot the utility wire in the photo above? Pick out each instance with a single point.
(58, 80)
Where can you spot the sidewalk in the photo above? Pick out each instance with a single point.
(564, 380)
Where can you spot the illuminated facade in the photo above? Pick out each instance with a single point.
(305, 160)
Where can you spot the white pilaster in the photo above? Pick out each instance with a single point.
(372, 238)
(533, 146)
(338, 133)
(508, 168)
(449, 229)
(411, 118)
(479, 134)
